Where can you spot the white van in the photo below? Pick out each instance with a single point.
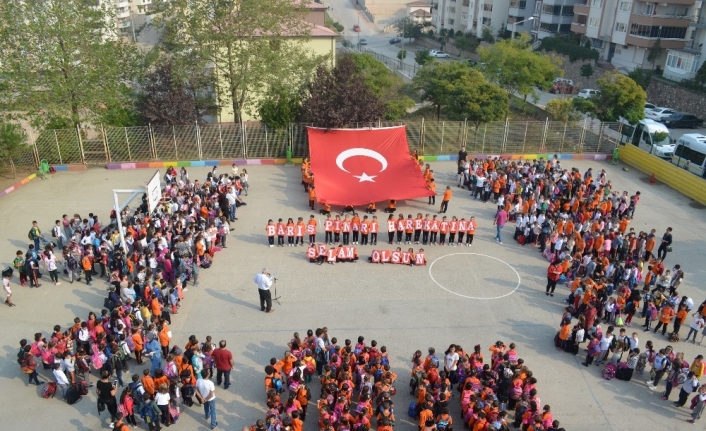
(643, 137)
(690, 153)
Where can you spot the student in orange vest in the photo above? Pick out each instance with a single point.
(312, 198)
(346, 229)
(337, 226)
(418, 226)
(328, 229)
(270, 229)
(445, 200)
(470, 231)
(290, 232)
(400, 228)
(434, 230)
(299, 232)
(391, 228)
(311, 229)
(390, 206)
(280, 233)
(325, 209)
(431, 185)
(426, 228)
(355, 228)
(443, 230)
(374, 229)
(371, 208)
(408, 229)
(364, 230)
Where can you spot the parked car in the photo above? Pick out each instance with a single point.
(658, 114)
(395, 40)
(649, 107)
(562, 86)
(587, 93)
(356, 28)
(438, 54)
(363, 41)
(682, 120)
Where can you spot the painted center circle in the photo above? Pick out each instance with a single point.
(475, 276)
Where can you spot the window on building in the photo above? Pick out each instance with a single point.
(625, 6)
(567, 11)
(488, 7)
(642, 30)
(450, 21)
(465, 3)
(621, 27)
(450, 9)
(597, 3)
(682, 61)
(549, 9)
(522, 4)
(594, 22)
(565, 28)
(464, 16)
(549, 28)
(486, 21)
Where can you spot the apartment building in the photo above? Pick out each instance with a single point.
(129, 12)
(624, 30)
(682, 63)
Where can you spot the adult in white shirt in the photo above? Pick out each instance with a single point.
(451, 363)
(61, 380)
(695, 326)
(264, 281)
(206, 394)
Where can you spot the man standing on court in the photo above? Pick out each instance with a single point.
(206, 394)
(264, 282)
(666, 243)
(499, 221)
(224, 363)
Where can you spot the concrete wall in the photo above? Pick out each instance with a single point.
(680, 180)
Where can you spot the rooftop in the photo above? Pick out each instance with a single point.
(420, 3)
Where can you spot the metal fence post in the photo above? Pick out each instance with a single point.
(80, 145)
(127, 140)
(106, 149)
(503, 147)
(244, 138)
(58, 148)
(220, 139)
(524, 140)
(152, 141)
(543, 148)
(563, 138)
(267, 144)
(198, 140)
(482, 148)
(441, 146)
(35, 151)
(583, 132)
(176, 152)
(600, 136)
(421, 136)
(464, 134)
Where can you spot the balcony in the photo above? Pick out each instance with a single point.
(661, 20)
(648, 42)
(578, 28)
(581, 9)
(124, 24)
(121, 14)
(123, 4)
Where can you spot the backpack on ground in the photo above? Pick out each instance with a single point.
(48, 390)
(673, 337)
(72, 395)
(609, 371)
(82, 387)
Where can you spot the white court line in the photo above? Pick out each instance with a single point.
(519, 279)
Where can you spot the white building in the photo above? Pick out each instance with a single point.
(624, 30)
(682, 63)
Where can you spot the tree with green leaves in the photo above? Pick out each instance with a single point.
(436, 82)
(13, 140)
(408, 28)
(465, 44)
(166, 100)
(422, 57)
(587, 70)
(487, 34)
(340, 97)
(252, 45)
(517, 69)
(655, 52)
(641, 77)
(64, 58)
(280, 107)
(477, 100)
(619, 96)
(401, 55)
(561, 109)
(384, 84)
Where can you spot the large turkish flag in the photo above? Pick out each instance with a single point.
(359, 166)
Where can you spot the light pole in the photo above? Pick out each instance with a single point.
(359, 29)
(512, 37)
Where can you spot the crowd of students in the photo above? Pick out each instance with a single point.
(146, 275)
(357, 388)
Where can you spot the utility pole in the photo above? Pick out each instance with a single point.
(359, 29)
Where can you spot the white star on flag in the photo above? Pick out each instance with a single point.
(365, 177)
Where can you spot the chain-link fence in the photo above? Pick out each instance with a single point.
(101, 145)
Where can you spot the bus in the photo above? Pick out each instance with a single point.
(690, 153)
(642, 135)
